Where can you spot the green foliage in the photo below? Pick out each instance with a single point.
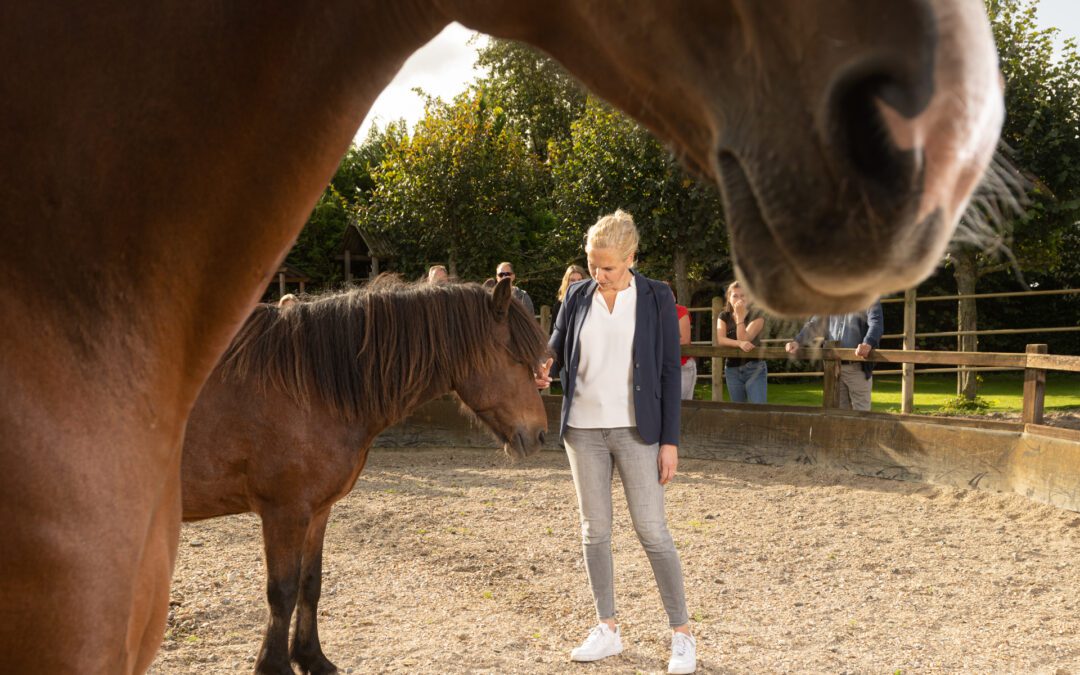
(1042, 128)
(611, 162)
(316, 247)
(962, 405)
(463, 190)
(539, 97)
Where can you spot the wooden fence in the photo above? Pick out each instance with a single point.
(1034, 362)
(909, 338)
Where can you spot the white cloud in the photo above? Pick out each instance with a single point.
(442, 67)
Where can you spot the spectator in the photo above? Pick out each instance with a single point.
(860, 331)
(437, 274)
(572, 275)
(740, 325)
(287, 300)
(506, 270)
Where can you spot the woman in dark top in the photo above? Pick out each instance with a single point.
(740, 326)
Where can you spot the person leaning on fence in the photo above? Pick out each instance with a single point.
(860, 331)
(740, 326)
(616, 344)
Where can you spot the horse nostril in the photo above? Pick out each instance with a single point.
(540, 437)
(860, 133)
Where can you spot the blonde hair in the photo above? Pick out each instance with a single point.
(615, 231)
(566, 279)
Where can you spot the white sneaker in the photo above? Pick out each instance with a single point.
(601, 643)
(683, 654)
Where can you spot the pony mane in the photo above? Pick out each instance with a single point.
(371, 352)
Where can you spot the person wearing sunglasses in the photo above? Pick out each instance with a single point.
(506, 271)
(615, 345)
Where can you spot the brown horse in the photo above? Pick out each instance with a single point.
(284, 425)
(158, 159)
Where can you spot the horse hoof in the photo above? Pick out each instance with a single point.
(273, 669)
(316, 665)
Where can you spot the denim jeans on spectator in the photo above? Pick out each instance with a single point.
(593, 455)
(748, 382)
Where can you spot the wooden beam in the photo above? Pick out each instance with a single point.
(717, 363)
(830, 389)
(1034, 389)
(907, 382)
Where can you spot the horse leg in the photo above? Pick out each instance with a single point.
(283, 540)
(306, 649)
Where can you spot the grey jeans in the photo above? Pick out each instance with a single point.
(593, 454)
(854, 387)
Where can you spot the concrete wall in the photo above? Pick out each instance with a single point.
(1041, 463)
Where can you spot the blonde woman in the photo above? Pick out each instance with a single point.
(616, 346)
(572, 275)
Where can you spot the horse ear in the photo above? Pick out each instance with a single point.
(500, 298)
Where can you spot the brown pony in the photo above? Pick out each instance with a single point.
(283, 427)
(158, 158)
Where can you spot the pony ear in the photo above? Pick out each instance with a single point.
(500, 298)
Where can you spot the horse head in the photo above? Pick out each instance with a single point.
(504, 395)
(846, 135)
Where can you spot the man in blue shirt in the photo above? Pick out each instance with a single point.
(860, 331)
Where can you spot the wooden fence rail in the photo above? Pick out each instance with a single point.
(1034, 362)
(911, 356)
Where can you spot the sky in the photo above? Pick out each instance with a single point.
(444, 66)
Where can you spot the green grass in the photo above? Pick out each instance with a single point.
(1004, 392)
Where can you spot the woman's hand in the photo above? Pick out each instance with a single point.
(667, 461)
(543, 379)
(746, 346)
(740, 310)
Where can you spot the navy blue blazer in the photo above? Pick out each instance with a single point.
(657, 371)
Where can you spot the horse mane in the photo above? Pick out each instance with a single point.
(370, 352)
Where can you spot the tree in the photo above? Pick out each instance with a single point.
(1042, 131)
(316, 247)
(463, 189)
(540, 99)
(611, 162)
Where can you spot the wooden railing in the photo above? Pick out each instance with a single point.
(909, 337)
(1034, 362)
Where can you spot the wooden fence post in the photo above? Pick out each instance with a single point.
(830, 392)
(1034, 389)
(907, 382)
(545, 319)
(717, 363)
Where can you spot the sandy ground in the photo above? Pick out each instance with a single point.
(456, 561)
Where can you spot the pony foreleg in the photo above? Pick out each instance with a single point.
(283, 539)
(306, 649)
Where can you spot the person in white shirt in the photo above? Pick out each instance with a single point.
(616, 345)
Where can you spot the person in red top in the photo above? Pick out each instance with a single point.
(689, 365)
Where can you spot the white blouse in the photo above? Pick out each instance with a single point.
(604, 382)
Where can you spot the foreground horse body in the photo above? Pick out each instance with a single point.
(284, 425)
(159, 158)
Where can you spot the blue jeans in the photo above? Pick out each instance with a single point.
(594, 454)
(748, 382)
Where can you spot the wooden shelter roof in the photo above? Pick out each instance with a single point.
(362, 241)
